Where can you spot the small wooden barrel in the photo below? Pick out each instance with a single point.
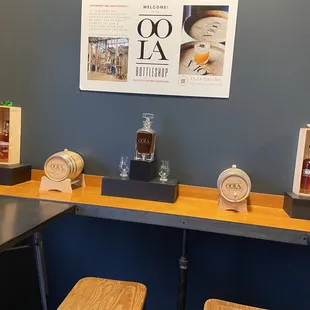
(63, 165)
(234, 184)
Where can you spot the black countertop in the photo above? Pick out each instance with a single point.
(19, 218)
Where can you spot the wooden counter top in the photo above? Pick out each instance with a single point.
(194, 202)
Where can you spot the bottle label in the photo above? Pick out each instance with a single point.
(144, 143)
(306, 172)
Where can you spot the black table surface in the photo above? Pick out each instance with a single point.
(20, 218)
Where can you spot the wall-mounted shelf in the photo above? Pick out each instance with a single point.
(196, 209)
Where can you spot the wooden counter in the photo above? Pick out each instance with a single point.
(196, 208)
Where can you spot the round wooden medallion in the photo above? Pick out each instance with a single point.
(210, 26)
(234, 184)
(57, 168)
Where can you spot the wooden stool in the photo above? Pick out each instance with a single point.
(103, 294)
(215, 304)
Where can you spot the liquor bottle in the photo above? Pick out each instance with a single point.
(4, 142)
(305, 175)
(145, 139)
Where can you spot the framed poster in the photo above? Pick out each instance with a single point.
(182, 48)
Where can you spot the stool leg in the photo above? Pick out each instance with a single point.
(183, 274)
(41, 271)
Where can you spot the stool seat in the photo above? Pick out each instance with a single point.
(104, 294)
(215, 304)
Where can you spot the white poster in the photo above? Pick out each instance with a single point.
(182, 48)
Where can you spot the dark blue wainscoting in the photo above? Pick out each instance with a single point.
(19, 287)
(78, 247)
(254, 272)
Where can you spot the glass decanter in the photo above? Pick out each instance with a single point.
(145, 139)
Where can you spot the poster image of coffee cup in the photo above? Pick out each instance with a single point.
(204, 37)
(107, 59)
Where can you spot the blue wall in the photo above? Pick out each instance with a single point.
(256, 128)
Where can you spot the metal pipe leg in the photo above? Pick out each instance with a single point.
(41, 271)
(183, 273)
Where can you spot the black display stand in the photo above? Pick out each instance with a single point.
(154, 190)
(297, 206)
(142, 170)
(14, 174)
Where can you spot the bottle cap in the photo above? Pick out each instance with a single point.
(148, 116)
